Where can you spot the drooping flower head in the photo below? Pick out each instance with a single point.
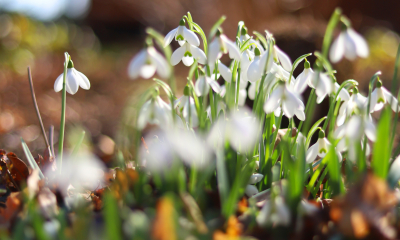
(147, 62)
(154, 111)
(182, 34)
(381, 96)
(222, 45)
(187, 53)
(187, 107)
(320, 148)
(73, 80)
(203, 83)
(348, 44)
(304, 78)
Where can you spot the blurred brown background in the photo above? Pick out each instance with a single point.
(102, 36)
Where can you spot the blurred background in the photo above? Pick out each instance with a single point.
(103, 35)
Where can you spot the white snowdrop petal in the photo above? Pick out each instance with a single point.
(84, 81)
(360, 43)
(169, 37)
(337, 49)
(144, 115)
(198, 54)
(252, 91)
(72, 84)
(58, 84)
(255, 178)
(284, 59)
(187, 61)
(301, 82)
(255, 71)
(374, 101)
(350, 46)
(394, 104)
(225, 72)
(177, 55)
(191, 37)
(136, 63)
(370, 130)
(213, 52)
(242, 97)
(161, 64)
(234, 52)
(288, 109)
(250, 190)
(147, 71)
(273, 101)
(312, 153)
(214, 85)
(300, 114)
(201, 87)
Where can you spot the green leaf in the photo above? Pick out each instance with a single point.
(297, 62)
(381, 151)
(31, 161)
(261, 38)
(333, 21)
(222, 177)
(334, 171)
(215, 27)
(245, 45)
(166, 88)
(296, 175)
(312, 130)
(111, 217)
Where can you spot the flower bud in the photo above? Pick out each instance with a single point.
(321, 133)
(306, 64)
(244, 30)
(70, 64)
(257, 51)
(186, 91)
(378, 83)
(182, 22)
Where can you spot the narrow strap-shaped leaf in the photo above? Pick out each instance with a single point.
(297, 62)
(312, 130)
(215, 27)
(31, 161)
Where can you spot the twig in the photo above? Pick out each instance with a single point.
(37, 112)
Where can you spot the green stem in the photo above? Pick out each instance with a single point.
(63, 105)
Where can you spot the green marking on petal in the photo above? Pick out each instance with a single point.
(188, 54)
(179, 38)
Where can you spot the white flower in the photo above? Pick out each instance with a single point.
(252, 89)
(182, 34)
(320, 149)
(304, 78)
(186, 105)
(146, 63)
(350, 45)
(275, 212)
(241, 128)
(222, 70)
(245, 61)
(222, 45)
(343, 94)
(322, 84)
(288, 100)
(203, 83)
(250, 188)
(187, 53)
(355, 103)
(256, 68)
(73, 80)
(380, 96)
(154, 111)
(352, 133)
(282, 58)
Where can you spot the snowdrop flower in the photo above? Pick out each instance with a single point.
(245, 61)
(257, 68)
(252, 89)
(288, 100)
(154, 111)
(220, 107)
(380, 96)
(350, 45)
(73, 80)
(275, 211)
(147, 62)
(304, 78)
(203, 83)
(322, 84)
(244, 37)
(182, 34)
(343, 94)
(282, 58)
(241, 128)
(348, 108)
(250, 189)
(222, 45)
(242, 93)
(352, 133)
(187, 53)
(222, 70)
(320, 148)
(187, 107)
